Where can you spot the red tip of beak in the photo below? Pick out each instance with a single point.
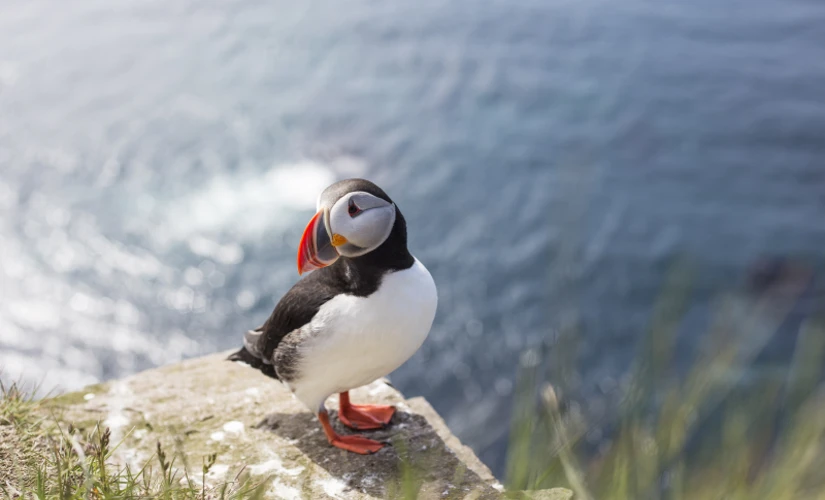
(315, 250)
(306, 249)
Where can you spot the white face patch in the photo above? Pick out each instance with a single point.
(364, 220)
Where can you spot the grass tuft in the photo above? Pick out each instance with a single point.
(51, 459)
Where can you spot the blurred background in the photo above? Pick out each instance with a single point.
(554, 159)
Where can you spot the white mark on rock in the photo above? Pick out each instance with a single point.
(89, 397)
(368, 480)
(138, 434)
(280, 490)
(332, 487)
(216, 436)
(116, 421)
(120, 395)
(378, 388)
(233, 427)
(274, 465)
(252, 391)
(218, 471)
(264, 468)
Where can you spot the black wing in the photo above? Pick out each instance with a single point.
(294, 310)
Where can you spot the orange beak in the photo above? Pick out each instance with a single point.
(316, 249)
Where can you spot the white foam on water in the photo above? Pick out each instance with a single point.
(34, 314)
(9, 73)
(247, 204)
(52, 325)
(43, 372)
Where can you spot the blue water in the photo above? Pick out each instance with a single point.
(158, 160)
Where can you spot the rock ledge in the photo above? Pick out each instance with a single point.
(255, 426)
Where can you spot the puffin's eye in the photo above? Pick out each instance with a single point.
(353, 209)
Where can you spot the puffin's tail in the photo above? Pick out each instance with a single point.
(248, 354)
(244, 356)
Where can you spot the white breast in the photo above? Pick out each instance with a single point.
(360, 339)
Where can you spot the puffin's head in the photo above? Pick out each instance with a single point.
(354, 218)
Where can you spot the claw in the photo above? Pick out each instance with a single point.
(357, 444)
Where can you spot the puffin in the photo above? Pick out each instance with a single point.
(363, 306)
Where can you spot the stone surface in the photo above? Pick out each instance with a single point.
(551, 494)
(256, 427)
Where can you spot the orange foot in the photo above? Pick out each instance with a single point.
(355, 444)
(363, 417)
